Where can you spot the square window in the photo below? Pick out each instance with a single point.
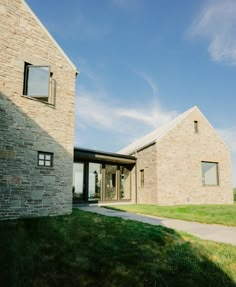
(210, 173)
(37, 82)
(45, 159)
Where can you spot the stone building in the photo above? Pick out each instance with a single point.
(183, 162)
(37, 88)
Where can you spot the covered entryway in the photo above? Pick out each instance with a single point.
(101, 177)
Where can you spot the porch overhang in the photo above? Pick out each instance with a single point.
(81, 154)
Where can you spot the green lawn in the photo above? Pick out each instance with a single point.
(86, 249)
(219, 214)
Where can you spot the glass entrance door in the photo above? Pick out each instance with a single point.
(78, 182)
(87, 181)
(94, 181)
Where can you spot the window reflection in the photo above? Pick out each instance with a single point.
(78, 181)
(110, 182)
(95, 181)
(124, 183)
(37, 81)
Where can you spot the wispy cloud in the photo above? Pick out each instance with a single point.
(150, 82)
(217, 23)
(98, 110)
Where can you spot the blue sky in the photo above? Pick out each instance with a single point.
(143, 62)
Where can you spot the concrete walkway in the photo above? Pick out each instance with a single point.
(219, 233)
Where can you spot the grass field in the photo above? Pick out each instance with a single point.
(86, 249)
(219, 214)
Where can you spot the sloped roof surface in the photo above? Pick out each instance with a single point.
(155, 135)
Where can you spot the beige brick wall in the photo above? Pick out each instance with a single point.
(146, 160)
(27, 125)
(172, 166)
(179, 156)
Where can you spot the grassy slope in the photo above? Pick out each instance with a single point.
(92, 250)
(220, 214)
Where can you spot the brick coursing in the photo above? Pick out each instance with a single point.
(28, 126)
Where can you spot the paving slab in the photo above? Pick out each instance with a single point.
(214, 232)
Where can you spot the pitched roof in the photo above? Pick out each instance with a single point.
(155, 135)
(50, 36)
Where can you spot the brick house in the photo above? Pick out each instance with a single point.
(37, 89)
(183, 162)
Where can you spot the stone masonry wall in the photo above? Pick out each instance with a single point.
(28, 125)
(179, 157)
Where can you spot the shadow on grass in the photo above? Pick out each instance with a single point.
(113, 208)
(86, 249)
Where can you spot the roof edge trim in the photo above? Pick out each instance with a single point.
(50, 36)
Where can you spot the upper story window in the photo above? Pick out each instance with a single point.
(210, 173)
(196, 127)
(38, 82)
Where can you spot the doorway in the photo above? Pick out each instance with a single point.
(87, 181)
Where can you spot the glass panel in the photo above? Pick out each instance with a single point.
(38, 81)
(47, 163)
(124, 183)
(95, 181)
(78, 181)
(48, 157)
(41, 162)
(41, 156)
(209, 173)
(110, 182)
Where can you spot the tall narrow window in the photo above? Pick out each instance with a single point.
(142, 177)
(196, 127)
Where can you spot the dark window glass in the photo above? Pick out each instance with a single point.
(196, 126)
(142, 177)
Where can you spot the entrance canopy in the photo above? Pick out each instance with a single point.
(102, 157)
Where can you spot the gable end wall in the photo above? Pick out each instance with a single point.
(179, 156)
(28, 126)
